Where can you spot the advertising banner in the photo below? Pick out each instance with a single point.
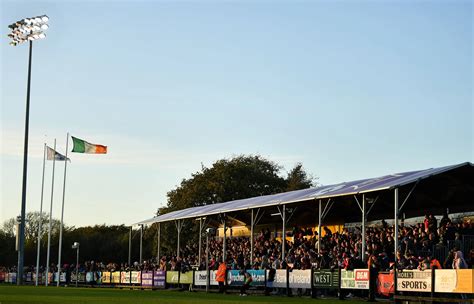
(325, 278)
(385, 284)
(159, 278)
(2, 276)
(136, 277)
(12, 277)
(147, 278)
(300, 278)
(280, 278)
(236, 277)
(172, 277)
(454, 280)
(116, 277)
(200, 278)
(29, 277)
(186, 277)
(125, 277)
(82, 277)
(213, 278)
(355, 279)
(90, 277)
(106, 277)
(414, 280)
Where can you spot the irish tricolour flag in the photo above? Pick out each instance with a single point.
(82, 146)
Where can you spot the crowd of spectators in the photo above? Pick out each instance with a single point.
(337, 250)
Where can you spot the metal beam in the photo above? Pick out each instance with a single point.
(327, 208)
(372, 205)
(408, 195)
(357, 201)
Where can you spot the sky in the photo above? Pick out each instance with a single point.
(351, 89)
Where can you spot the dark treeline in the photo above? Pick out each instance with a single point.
(226, 180)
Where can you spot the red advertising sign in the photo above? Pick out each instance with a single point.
(385, 284)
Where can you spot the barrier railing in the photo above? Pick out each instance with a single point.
(421, 282)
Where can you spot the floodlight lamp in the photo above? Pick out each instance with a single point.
(13, 43)
(38, 20)
(45, 18)
(42, 35)
(44, 26)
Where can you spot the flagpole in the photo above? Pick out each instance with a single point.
(40, 218)
(62, 214)
(50, 220)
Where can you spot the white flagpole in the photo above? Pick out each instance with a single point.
(40, 218)
(62, 215)
(50, 220)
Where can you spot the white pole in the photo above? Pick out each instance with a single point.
(40, 218)
(62, 215)
(251, 237)
(50, 220)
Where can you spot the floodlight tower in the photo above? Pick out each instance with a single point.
(28, 29)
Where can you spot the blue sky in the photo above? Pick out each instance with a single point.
(352, 89)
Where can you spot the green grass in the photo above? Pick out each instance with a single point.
(71, 295)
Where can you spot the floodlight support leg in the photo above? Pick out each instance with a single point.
(21, 249)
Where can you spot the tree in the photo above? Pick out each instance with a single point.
(231, 179)
(298, 179)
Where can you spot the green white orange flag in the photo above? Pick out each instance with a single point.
(82, 146)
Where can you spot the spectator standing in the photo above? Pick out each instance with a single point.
(220, 276)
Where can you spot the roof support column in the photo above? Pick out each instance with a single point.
(130, 246)
(255, 218)
(179, 227)
(283, 233)
(224, 241)
(158, 243)
(363, 228)
(141, 243)
(251, 237)
(395, 226)
(319, 227)
(200, 239)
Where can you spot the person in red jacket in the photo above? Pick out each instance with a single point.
(220, 276)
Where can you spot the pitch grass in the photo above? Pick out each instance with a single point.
(70, 295)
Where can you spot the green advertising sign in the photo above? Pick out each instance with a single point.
(326, 279)
(186, 277)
